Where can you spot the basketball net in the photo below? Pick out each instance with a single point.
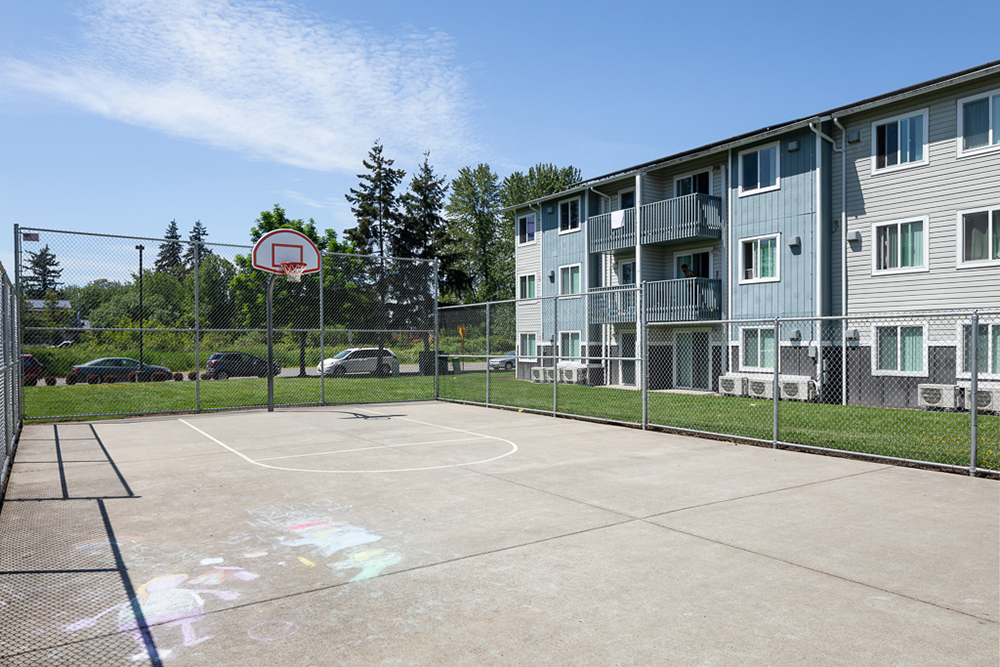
(293, 271)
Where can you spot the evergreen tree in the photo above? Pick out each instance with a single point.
(375, 204)
(197, 250)
(42, 274)
(170, 259)
(540, 181)
(487, 245)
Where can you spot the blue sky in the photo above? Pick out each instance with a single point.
(118, 116)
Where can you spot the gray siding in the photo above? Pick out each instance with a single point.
(938, 190)
(790, 211)
(559, 250)
(528, 259)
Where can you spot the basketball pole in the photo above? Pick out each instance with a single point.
(270, 344)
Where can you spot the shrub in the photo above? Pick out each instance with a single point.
(50, 380)
(71, 379)
(192, 375)
(93, 378)
(178, 377)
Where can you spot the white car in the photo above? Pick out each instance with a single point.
(360, 360)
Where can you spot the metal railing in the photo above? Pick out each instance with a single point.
(681, 219)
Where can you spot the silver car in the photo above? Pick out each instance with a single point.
(360, 360)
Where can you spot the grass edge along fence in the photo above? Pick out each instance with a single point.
(558, 377)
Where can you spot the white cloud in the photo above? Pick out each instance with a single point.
(262, 79)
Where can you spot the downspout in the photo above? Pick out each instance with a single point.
(843, 262)
(729, 254)
(726, 249)
(640, 335)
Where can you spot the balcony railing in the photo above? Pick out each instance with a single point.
(679, 220)
(685, 300)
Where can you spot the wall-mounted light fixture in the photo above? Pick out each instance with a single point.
(794, 242)
(854, 237)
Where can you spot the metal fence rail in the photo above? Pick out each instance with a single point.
(901, 387)
(189, 335)
(10, 375)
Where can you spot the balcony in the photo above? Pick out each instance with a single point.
(684, 219)
(685, 300)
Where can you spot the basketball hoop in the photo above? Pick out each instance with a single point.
(293, 271)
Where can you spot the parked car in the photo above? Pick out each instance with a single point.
(505, 362)
(115, 369)
(360, 360)
(223, 365)
(31, 370)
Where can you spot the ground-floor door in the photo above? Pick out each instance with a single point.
(693, 360)
(627, 348)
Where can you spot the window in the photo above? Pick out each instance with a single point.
(526, 228)
(626, 273)
(758, 349)
(899, 142)
(569, 279)
(899, 246)
(527, 284)
(626, 199)
(527, 346)
(569, 345)
(899, 351)
(979, 123)
(694, 183)
(569, 216)
(979, 236)
(987, 349)
(759, 170)
(759, 259)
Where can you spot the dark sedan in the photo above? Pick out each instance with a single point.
(116, 369)
(223, 365)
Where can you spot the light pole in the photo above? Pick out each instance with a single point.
(140, 248)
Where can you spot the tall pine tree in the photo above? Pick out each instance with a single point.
(42, 274)
(375, 205)
(170, 258)
(488, 249)
(197, 249)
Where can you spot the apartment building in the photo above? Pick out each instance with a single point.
(887, 205)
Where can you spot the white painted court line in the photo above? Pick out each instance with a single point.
(478, 436)
(363, 449)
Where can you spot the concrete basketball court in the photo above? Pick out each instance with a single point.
(434, 533)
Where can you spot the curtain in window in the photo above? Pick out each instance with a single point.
(751, 344)
(976, 228)
(982, 348)
(768, 258)
(976, 123)
(888, 247)
(995, 350)
(996, 233)
(767, 348)
(911, 139)
(574, 280)
(996, 119)
(888, 349)
(912, 244)
(911, 349)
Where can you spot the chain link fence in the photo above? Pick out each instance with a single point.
(897, 387)
(145, 326)
(10, 381)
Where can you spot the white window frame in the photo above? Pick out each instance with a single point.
(621, 193)
(521, 354)
(562, 348)
(960, 372)
(517, 230)
(693, 251)
(520, 291)
(579, 215)
(777, 169)
(904, 165)
(711, 183)
(923, 268)
(777, 259)
(742, 350)
(960, 261)
(578, 267)
(994, 98)
(875, 350)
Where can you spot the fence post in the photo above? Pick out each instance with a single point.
(487, 354)
(973, 391)
(197, 331)
(843, 361)
(777, 387)
(555, 356)
(437, 332)
(644, 355)
(322, 329)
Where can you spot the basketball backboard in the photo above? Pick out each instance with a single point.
(282, 246)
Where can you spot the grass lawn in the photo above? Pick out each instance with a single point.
(935, 437)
